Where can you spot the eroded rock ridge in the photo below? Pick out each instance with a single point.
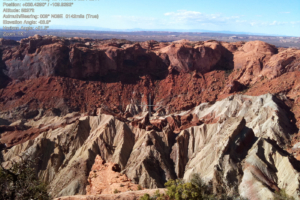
(228, 111)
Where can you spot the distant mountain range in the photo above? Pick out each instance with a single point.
(93, 28)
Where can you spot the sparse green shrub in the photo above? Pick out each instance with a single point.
(245, 90)
(20, 181)
(116, 191)
(140, 187)
(145, 197)
(282, 195)
(194, 190)
(158, 196)
(191, 44)
(228, 72)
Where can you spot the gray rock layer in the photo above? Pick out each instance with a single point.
(243, 152)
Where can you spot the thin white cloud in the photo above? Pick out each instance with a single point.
(295, 22)
(189, 19)
(265, 23)
(278, 23)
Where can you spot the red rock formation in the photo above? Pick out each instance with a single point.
(175, 89)
(8, 42)
(105, 178)
(203, 57)
(51, 76)
(12, 138)
(285, 61)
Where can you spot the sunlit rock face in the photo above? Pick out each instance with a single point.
(228, 111)
(239, 141)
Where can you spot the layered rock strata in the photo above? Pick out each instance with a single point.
(228, 111)
(240, 138)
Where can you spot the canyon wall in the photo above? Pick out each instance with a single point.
(228, 111)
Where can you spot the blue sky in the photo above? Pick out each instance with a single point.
(273, 17)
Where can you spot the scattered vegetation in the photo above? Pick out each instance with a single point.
(20, 181)
(157, 196)
(95, 175)
(282, 195)
(196, 189)
(146, 197)
(116, 191)
(140, 187)
(245, 90)
(191, 44)
(228, 72)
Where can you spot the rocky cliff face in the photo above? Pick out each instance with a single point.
(228, 111)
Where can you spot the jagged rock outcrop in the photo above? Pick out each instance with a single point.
(149, 163)
(69, 100)
(231, 127)
(153, 73)
(72, 148)
(105, 178)
(51, 56)
(44, 56)
(231, 163)
(251, 58)
(285, 61)
(8, 42)
(203, 57)
(270, 166)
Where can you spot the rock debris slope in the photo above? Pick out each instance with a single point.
(228, 111)
(105, 178)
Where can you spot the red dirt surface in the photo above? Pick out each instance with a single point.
(105, 178)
